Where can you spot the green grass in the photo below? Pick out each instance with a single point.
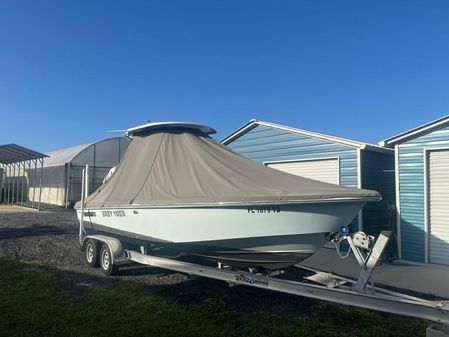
(41, 302)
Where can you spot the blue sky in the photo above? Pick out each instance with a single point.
(366, 70)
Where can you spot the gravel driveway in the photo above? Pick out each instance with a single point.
(49, 238)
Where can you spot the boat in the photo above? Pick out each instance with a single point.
(178, 191)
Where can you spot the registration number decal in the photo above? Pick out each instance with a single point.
(264, 209)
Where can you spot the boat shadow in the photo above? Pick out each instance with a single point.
(188, 290)
(13, 233)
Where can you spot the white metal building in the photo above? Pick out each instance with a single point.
(62, 170)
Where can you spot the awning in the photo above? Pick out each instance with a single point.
(13, 153)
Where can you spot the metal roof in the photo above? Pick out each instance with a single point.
(254, 122)
(63, 156)
(13, 153)
(203, 128)
(440, 122)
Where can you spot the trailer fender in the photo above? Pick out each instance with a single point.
(115, 246)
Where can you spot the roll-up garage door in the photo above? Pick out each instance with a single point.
(438, 206)
(326, 170)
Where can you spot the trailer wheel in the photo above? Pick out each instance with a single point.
(106, 261)
(91, 250)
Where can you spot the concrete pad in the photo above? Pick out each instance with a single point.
(15, 209)
(424, 278)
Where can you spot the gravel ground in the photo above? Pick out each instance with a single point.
(49, 239)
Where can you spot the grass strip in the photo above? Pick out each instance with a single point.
(42, 302)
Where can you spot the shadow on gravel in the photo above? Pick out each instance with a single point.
(139, 270)
(9, 233)
(192, 290)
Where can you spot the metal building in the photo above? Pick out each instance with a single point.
(20, 176)
(422, 192)
(327, 158)
(63, 169)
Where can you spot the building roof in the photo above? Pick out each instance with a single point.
(345, 141)
(415, 132)
(68, 155)
(63, 156)
(160, 125)
(13, 153)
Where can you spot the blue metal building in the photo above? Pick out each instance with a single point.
(326, 158)
(422, 192)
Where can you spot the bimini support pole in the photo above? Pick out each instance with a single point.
(86, 187)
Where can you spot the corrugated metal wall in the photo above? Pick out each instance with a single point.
(263, 143)
(378, 174)
(411, 190)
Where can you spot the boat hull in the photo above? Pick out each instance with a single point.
(268, 236)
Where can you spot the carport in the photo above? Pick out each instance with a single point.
(20, 171)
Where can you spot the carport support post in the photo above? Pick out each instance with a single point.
(13, 183)
(9, 181)
(17, 183)
(34, 182)
(21, 180)
(6, 184)
(28, 182)
(40, 183)
(10, 185)
(16, 175)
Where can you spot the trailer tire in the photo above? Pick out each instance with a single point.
(106, 260)
(92, 253)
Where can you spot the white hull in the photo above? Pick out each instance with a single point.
(249, 233)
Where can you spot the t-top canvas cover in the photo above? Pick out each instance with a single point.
(183, 166)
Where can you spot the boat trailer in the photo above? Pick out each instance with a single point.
(321, 285)
(360, 292)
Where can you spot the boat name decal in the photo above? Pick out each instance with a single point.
(117, 214)
(90, 213)
(264, 209)
(251, 280)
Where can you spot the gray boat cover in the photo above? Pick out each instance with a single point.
(183, 166)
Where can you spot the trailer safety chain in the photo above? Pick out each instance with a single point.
(337, 249)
